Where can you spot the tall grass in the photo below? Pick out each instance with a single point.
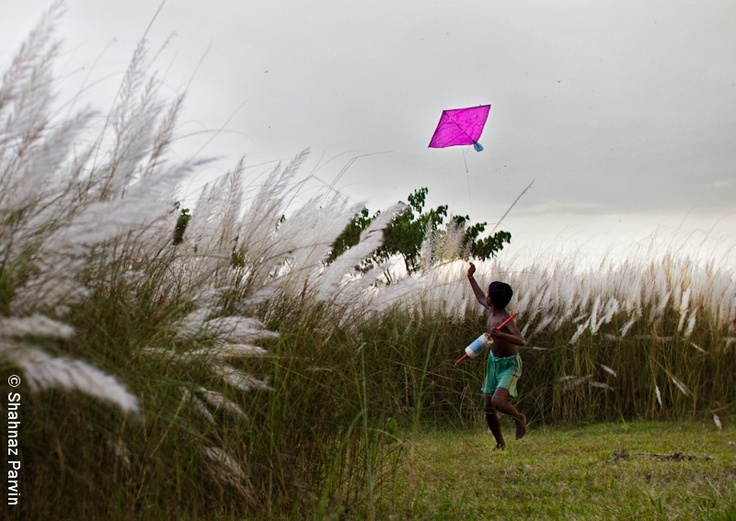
(652, 337)
(237, 374)
(97, 299)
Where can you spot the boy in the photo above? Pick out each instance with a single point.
(504, 363)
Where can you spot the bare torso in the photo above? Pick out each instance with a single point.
(500, 347)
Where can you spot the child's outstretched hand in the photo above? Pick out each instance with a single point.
(471, 270)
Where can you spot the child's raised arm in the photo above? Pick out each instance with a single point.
(476, 288)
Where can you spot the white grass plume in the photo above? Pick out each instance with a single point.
(601, 385)
(61, 200)
(309, 233)
(680, 386)
(442, 245)
(570, 382)
(34, 326)
(608, 370)
(227, 471)
(691, 324)
(221, 402)
(698, 348)
(238, 329)
(620, 294)
(239, 379)
(331, 279)
(197, 405)
(43, 371)
(632, 320)
(684, 305)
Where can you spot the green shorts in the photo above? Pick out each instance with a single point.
(502, 372)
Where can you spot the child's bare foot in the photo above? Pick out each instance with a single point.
(520, 427)
(500, 446)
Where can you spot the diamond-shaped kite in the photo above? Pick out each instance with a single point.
(460, 127)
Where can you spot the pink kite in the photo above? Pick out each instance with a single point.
(460, 127)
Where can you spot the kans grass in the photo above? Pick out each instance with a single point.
(232, 373)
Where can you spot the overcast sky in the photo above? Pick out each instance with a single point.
(623, 113)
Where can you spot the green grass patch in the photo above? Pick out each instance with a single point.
(641, 470)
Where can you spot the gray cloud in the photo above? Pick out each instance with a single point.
(610, 106)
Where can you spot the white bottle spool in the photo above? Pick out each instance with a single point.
(478, 345)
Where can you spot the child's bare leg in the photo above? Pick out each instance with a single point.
(493, 421)
(500, 403)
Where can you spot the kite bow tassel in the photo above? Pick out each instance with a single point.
(477, 146)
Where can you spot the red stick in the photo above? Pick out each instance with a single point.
(461, 359)
(504, 324)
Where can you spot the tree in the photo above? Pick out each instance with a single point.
(407, 233)
(181, 224)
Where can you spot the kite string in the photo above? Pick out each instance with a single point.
(467, 175)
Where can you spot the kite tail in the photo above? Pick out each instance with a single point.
(477, 146)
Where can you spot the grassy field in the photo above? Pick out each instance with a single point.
(639, 470)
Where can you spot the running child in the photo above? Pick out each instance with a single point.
(504, 363)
